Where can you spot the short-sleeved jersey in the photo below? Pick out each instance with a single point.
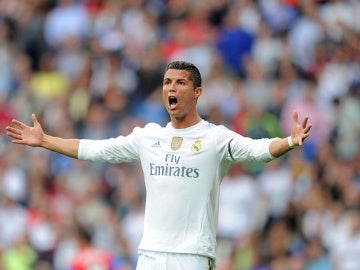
(183, 169)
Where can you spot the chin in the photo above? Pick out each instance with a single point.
(173, 112)
(178, 117)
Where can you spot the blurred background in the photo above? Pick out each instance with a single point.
(93, 69)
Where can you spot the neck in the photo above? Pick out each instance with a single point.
(184, 122)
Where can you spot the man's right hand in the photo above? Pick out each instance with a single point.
(35, 136)
(24, 134)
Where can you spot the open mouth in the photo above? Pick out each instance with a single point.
(172, 102)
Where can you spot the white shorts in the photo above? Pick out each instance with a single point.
(149, 260)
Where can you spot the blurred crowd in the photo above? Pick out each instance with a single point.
(93, 69)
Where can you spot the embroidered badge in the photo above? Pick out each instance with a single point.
(196, 147)
(176, 143)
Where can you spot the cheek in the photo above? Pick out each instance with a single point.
(164, 96)
(191, 97)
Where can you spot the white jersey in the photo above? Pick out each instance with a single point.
(183, 169)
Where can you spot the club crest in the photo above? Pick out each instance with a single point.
(196, 147)
(176, 143)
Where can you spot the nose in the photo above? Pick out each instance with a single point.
(172, 87)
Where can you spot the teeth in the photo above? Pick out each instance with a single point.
(172, 100)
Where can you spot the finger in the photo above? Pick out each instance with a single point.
(13, 130)
(18, 123)
(17, 142)
(304, 123)
(302, 139)
(300, 142)
(34, 119)
(307, 129)
(295, 117)
(14, 135)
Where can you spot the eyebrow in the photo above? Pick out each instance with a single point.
(177, 79)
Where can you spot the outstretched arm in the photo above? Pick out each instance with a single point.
(299, 132)
(35, 136)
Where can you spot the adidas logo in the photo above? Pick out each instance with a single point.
(157, 144)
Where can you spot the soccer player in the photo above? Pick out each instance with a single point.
(183, 164)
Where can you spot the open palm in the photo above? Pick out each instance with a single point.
(300, 131)
(24, 134)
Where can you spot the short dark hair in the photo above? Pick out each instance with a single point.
(84, 234)
(194, 71)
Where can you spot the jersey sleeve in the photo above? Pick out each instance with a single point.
(237, 148)
(113, 150)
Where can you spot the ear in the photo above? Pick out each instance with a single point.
(198, 92)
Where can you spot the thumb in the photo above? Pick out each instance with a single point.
(34, 119)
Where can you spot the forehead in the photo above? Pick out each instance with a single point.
(174, 74)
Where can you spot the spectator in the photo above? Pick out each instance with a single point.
(88, 256)
(68, 18)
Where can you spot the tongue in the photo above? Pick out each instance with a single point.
(172, 105)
